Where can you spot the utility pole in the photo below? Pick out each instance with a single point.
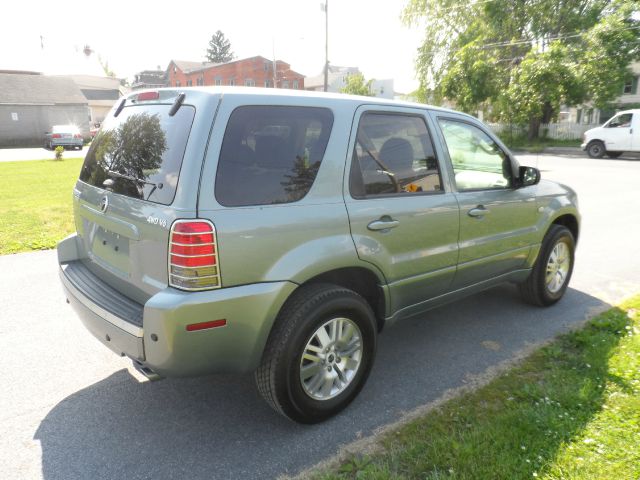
(326, 44)
(275, 65)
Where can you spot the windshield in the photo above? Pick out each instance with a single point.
(139, 153)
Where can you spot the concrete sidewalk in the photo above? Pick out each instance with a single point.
(572, 152)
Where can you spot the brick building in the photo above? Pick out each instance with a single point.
(250, 72)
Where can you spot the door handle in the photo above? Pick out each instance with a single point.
(479, 211)
(385, 223)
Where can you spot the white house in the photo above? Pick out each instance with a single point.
(337, 80)
(629, 98)
(101, 93)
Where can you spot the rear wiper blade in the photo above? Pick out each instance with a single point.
(113, 173)
(177, 104)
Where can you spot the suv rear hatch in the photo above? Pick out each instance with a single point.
(124, 200)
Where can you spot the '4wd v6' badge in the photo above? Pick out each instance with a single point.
(157, 221)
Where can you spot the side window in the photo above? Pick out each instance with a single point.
(393, 155)
(621, 121)
(271, 154)
(478, 162)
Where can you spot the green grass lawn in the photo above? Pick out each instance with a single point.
(569, 411)
(537, 145)
(35, 203)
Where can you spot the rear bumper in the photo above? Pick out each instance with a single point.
(106, 324)
(162, 343)
(67, 142)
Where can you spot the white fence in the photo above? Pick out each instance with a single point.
(556, 131)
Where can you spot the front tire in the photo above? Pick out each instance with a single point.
(319, 353)
(553, 268)
(596, 149)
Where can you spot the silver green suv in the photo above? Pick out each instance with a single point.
(277, 232)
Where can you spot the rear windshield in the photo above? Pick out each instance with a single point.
(271, 154)
(139, 152)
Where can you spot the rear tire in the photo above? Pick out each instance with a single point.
(596, 149)
(553, 268)
(319, 353)
(614, 154)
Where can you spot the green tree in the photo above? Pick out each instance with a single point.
(299, 180)
(219, 50)
(105, 67)
(357, 85)
(542, 82)
(520, 60)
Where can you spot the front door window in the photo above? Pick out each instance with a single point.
(478, 162)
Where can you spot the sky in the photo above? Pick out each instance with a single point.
(134, 36)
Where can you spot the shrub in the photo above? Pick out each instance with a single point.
(59, 151)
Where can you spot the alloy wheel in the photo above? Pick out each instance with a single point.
(558, 267)
(331, 358)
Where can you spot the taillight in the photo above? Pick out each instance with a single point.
(193, 255)
(56, 135)
(77, 135)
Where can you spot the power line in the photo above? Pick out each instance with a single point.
(457, 7)
(511, 43)
(558, 37)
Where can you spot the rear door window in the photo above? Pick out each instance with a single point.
(271, 154)
(139, 153)
(393, 155)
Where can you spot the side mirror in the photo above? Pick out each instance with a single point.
(528, 176)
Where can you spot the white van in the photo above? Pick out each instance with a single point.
(620, 134)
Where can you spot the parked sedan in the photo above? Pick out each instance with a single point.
(68, 136)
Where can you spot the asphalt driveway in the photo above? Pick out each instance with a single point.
(70, 409)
